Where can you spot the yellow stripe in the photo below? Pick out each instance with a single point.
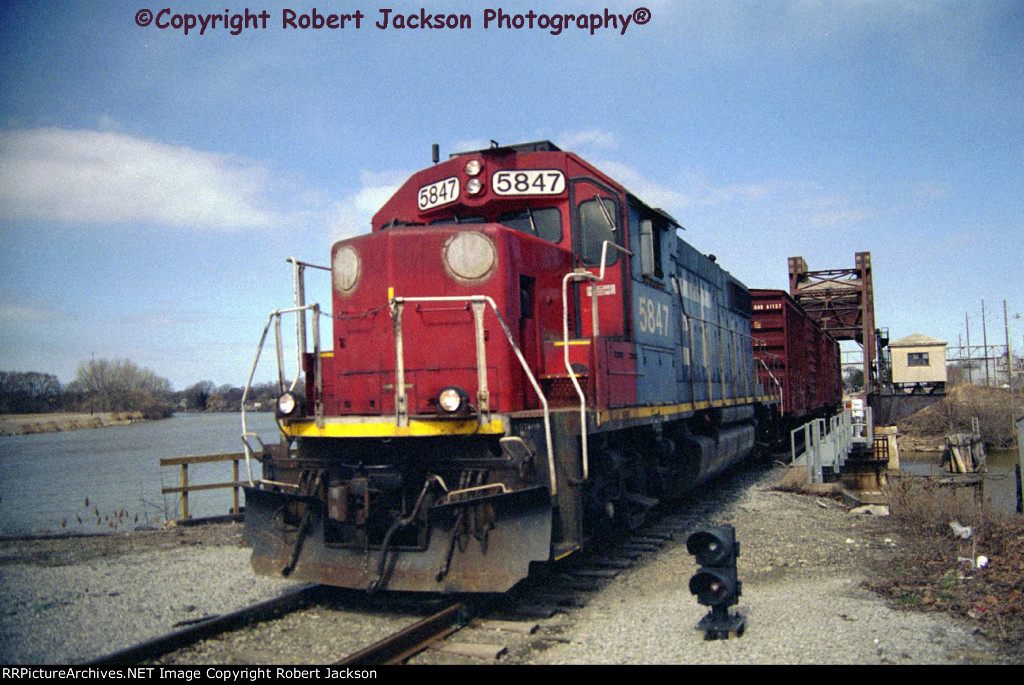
(670, 409)
(565, 554)
(362, 427)
(573, 342)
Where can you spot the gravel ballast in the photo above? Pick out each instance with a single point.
(70, 600)
(804, 563)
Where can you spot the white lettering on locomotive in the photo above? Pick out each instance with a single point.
(652, 317)
(528, 182)
(438, 193)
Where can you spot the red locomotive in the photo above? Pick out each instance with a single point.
(523, 355)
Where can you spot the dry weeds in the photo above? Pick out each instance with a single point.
(939, 571)
(995, 408)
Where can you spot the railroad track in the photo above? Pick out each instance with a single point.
(204, 629)
(396, 648)
(565, 587)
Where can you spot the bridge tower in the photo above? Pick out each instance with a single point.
(842, 301)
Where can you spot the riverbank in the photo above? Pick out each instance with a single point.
(57, 422)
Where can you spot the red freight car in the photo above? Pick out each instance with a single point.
(795, 356)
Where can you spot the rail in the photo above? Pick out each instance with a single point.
(300, 309)
(150, 650)
(185, 488)
(396, 648)
(275, 320)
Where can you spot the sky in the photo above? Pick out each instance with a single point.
(153, 182)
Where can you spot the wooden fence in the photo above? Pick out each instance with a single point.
(184, 488)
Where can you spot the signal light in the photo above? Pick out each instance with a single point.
(715, 582)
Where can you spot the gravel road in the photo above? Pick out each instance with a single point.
(803, 565)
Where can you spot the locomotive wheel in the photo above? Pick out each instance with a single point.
(606, 490)
(622, 494)
(639, 497)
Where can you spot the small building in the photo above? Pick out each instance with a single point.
(918, 359)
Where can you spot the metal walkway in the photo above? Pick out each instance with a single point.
(823, 445)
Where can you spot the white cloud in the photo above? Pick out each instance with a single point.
(799, 203)
(651, 192)
(351, 215)
(109, 177)
(16, 311)
(593, 138)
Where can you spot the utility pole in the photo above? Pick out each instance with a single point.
(984, 340)
(970, 374)
(1009, 359)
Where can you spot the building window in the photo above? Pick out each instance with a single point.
(917, 359)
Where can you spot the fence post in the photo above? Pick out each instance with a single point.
(184, 492)
(234, 490)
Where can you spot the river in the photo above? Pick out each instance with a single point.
(1000, 484)
(46, 478)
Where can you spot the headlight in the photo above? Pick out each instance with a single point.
(474, 186)
(345, 268)
(470, 256)
(453, 400)
(473, 167)
(288, 405)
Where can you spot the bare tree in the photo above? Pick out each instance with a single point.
(28, 392)
(120, 385)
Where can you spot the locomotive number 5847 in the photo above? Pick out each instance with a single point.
(652, 317)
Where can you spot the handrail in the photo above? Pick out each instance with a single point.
(478, 303)
(773, 378)
(582, 274)
(275, 319)
(827, 442)
(722, 327)
(299, 295)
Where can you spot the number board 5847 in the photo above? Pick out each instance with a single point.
(528, 182)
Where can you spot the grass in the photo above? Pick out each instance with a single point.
(936, 571)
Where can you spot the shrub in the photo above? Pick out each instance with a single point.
(995, 408)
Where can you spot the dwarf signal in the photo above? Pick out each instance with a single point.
(715, 582)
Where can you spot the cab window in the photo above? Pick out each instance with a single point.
(545, 223)
(595, 229)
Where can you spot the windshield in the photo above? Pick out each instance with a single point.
(545, 223)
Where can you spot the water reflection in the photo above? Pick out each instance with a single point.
(1000, 483)
(46, 479)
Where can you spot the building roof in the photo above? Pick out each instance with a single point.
(917, 340)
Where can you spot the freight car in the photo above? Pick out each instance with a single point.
(797, 356)
(524, 355)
